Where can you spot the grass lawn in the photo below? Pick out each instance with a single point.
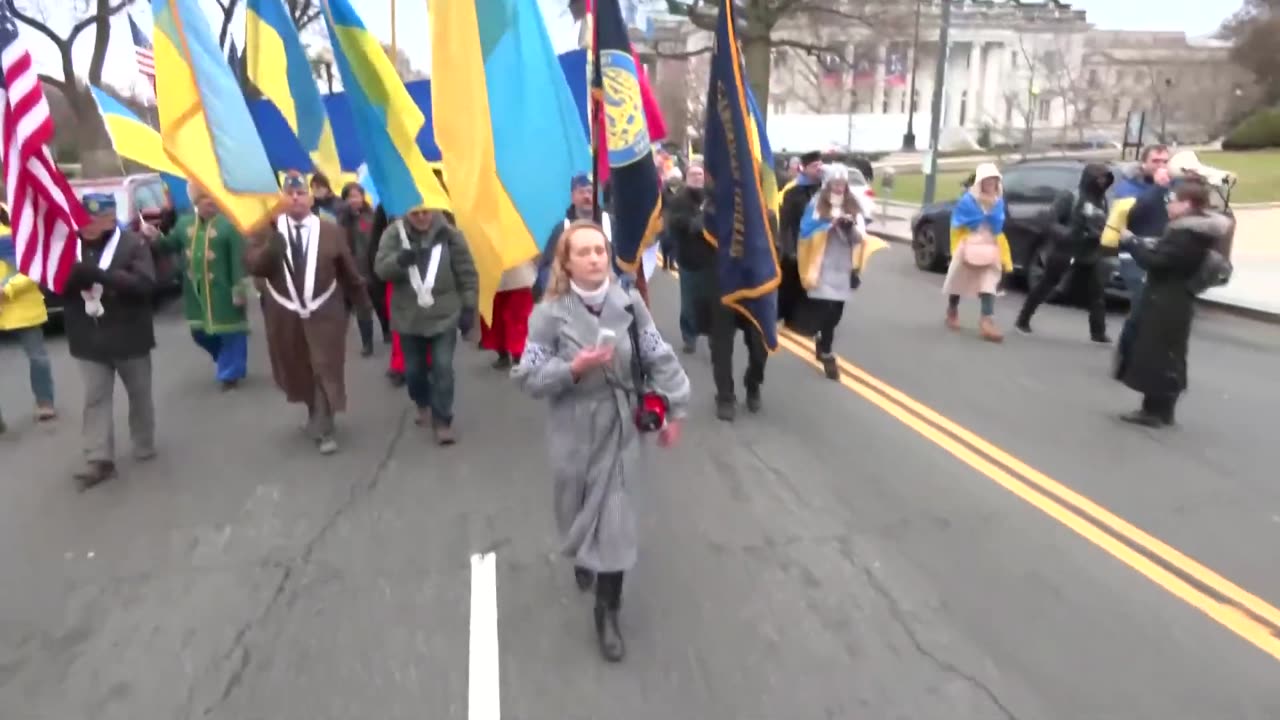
(910, 187)
(1258, 176)
(1257, 173)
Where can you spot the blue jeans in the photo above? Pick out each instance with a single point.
(32, 340)
(431, 387)
(1135, 281)
(230, 353)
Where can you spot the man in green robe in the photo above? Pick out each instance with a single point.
(215, 286)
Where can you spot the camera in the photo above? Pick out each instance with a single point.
(651, 413)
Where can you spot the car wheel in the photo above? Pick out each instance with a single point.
(924, 247)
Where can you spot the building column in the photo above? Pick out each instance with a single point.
(924, 95)
(954, 90)
(877, 92)
(973, 108)
(993, 86)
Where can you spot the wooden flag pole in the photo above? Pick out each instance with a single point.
(395, 55)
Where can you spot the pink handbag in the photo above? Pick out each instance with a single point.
(980, 249)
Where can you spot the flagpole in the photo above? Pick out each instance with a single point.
(395, 55)
(597, 108)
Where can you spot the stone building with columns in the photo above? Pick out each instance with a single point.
(1017, 72)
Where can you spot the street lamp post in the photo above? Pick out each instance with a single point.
(909, 139)
(939, 84)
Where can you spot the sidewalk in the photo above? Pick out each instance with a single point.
(1254, 289)
(1255, 256)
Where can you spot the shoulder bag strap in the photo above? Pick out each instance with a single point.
(637, 365)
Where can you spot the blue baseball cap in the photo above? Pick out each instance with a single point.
(580, 180)
(98, 203)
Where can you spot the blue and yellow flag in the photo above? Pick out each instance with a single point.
(615, 90)
(204, 123)
(736, 220)
(386, 119)
(505, 93)
(762, 152)
(278, 66)
(132, 139)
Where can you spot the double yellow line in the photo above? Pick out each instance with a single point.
(1230, 605)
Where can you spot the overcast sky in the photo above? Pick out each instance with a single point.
(1195, 17)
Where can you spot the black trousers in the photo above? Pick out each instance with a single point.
(725, 324)
(1056, 267)
(378, 294)
(829, 314)
(1161, 406)
(609, 590)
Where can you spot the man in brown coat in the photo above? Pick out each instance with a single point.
(308, 276)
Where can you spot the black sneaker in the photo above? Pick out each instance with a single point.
(1143, 418)
(1023, 326)
(1102, 339)
(753, 399)
(726, 410)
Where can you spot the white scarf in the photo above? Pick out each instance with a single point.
(424, 284)
(93, 296)
(592, 298)
(305, 303)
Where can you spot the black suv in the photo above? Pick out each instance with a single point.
(1030, 187)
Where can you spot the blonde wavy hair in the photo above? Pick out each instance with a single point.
(558, 284)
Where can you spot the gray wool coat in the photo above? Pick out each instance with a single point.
(595, 448)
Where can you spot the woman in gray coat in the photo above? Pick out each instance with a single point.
(579, 357)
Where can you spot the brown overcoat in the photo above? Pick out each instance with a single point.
(312, 350)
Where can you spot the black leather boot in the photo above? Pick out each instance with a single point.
(609, 635)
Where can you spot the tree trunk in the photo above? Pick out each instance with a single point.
(101, 36)
(758, 59)
(97, 157)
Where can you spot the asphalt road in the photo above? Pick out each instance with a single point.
(845, 554)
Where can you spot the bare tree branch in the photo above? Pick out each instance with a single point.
(104, 11)
(36, 25)
(683, 54)
(228, 8)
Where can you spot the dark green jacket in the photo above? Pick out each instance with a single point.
(215, 279)
(456, 284)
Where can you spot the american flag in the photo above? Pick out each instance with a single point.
(43, 211)
(145, 54)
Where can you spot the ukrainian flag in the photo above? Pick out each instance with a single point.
(505, 95)
(132, 139)
(736, 220)
(278, 66)
(204, 123)
(386, 119)
(763, 153)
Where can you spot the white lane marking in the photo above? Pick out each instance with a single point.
(483, 701)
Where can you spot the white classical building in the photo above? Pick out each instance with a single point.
(1016, 70)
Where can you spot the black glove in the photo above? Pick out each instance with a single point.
(407, 259)
(87, 273)
(467, 320)
(855, 280)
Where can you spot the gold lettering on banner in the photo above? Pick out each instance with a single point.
(723, 109)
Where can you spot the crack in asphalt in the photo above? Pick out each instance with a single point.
(282, 589)
(899, 616)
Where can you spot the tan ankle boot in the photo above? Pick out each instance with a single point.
(989, 331)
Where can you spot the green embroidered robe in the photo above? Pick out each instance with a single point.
(215, 285)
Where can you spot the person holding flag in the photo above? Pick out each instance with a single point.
(216, 287)
(736, 223)
(110, 331)
(310, 279)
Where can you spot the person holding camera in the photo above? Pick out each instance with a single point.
(595, 355)
(830, 255)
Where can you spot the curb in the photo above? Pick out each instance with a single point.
(890, 237)
(1241, 311)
